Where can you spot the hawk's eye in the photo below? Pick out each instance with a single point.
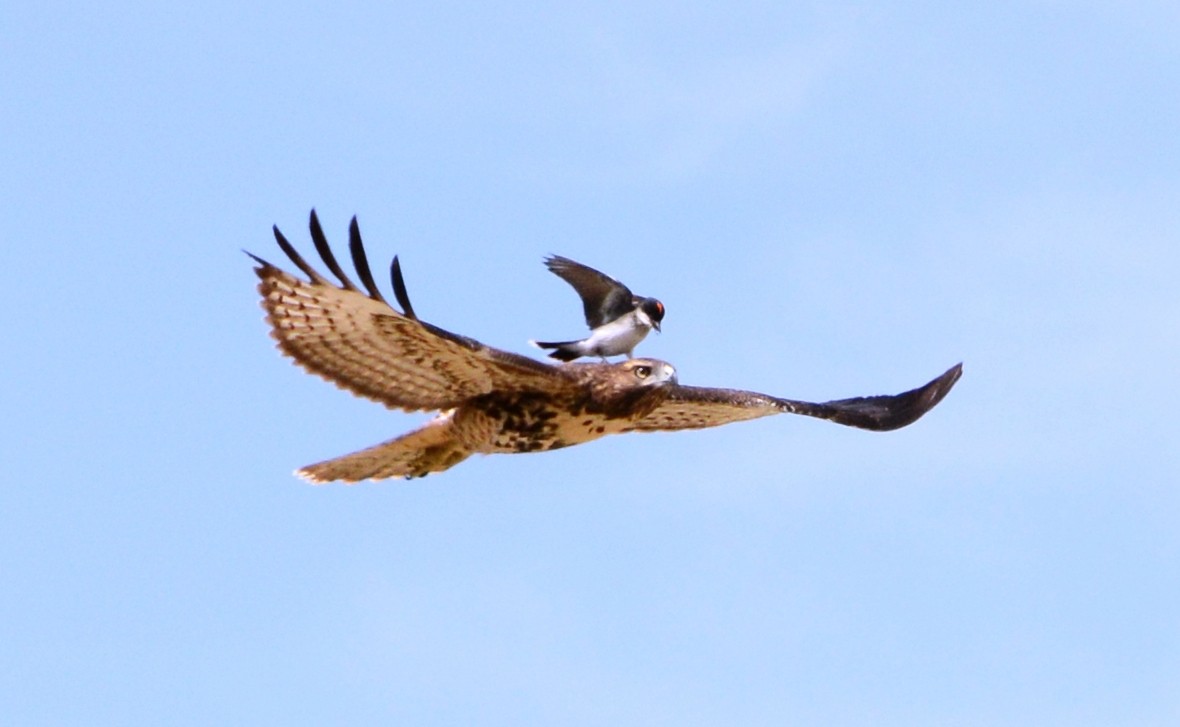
(643, 371)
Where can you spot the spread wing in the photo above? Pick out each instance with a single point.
(603, 298)
(356, 340)
(693, 407)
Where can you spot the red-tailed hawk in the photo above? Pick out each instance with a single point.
(492, 401)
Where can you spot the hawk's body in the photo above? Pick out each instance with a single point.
(514, 422)
(493, 401)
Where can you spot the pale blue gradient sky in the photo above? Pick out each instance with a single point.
(832, 199)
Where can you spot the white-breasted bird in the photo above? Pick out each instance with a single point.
(618, 318)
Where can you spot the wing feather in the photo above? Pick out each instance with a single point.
(360, 261)
(696, 407)
(399, 288)
(290, 251)
(693, 407)
(325, 251)
(363, 345)
(603, 298)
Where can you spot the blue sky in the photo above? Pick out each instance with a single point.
(832, 199)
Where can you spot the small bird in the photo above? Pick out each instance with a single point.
(618, 318)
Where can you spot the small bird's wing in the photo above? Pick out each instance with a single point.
(693, 407)
(603, 298)
(356, 340)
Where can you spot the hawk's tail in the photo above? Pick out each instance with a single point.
(432, 448)
(562, 350)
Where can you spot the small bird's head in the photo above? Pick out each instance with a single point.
(650, 371)
(653, 309)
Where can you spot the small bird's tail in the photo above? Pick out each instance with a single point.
(562, 350)
(432, 448)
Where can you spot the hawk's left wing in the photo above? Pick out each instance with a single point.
(694, 407)
(356, 340)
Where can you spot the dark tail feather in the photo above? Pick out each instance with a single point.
(562, 350)
(566, 355)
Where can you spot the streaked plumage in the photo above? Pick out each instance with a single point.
(618, 319)
(493, 401)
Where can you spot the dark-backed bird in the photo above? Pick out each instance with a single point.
(618, 318)
(492, 401)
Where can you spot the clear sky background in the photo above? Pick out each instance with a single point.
(832, 199)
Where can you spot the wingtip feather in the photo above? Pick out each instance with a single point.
(399, 289)
(262, 264)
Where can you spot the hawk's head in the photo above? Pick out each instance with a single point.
(647, 372)
(631, 389)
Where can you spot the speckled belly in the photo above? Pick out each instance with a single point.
(528, 423)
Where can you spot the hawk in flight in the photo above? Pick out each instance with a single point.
(618, 318)
(492, 401)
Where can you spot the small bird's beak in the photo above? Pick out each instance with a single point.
(656, 325)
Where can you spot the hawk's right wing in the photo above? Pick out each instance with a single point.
(694, 407)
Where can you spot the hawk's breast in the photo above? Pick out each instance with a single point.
(531, 422)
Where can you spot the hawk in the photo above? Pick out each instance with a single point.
(618, 318)
(492, 401)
